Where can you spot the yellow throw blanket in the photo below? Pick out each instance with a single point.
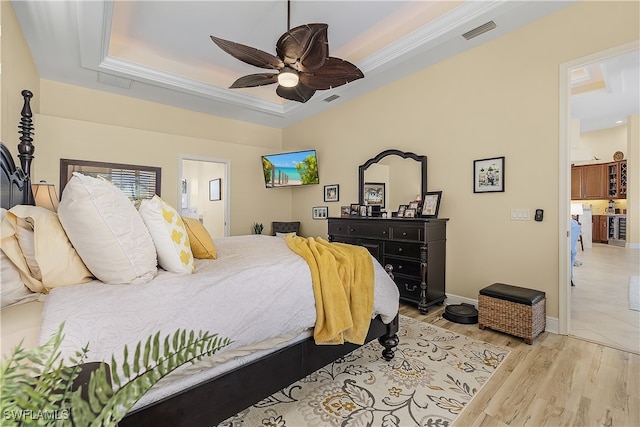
(342, 277)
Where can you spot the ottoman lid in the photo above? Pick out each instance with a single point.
(513, 293)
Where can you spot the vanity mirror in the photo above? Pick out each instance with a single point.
(404, 175)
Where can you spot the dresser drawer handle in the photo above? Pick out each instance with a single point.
(384, 232)
(399, 250)
(352, 230)
(400, 267)
(404, 233)
(413, 288)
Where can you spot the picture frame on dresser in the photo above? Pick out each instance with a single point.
(401, 210)
(431, 204)
(374, 193)
(488, 175)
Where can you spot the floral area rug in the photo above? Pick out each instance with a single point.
(432, 377)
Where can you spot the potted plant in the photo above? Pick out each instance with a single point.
(37, 387)
(257, 228)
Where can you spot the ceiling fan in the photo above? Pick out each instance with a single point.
(303, 62)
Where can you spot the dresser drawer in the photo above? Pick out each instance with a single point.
(338, 227)
(403, 266)
(369, 230)
(407, 232)
(405, 249)
(409, 288)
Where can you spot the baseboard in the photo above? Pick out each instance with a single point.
(633, 245)
(552, 322)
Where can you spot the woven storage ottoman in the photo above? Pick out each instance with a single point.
(512, 309)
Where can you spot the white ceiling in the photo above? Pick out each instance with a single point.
(161, 51)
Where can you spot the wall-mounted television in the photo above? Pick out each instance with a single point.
(290, 169)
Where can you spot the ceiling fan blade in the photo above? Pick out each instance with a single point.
(300, 92)
(335, 72)
(248, 54)
(304, 48)
(253, 80)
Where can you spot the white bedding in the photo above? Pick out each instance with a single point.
(243, 295)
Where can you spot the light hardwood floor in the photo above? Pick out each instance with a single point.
(600, 298)
(559, 380)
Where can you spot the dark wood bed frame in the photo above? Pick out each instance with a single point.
(219, 398)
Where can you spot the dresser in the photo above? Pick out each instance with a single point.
(415, 249)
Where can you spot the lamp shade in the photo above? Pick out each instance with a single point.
(576, 209)
(45, 195)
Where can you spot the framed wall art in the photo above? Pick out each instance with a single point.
(374, 193)
(488, 175)
(431, 204)
(214, 189)
(320, 212)
(331, 193)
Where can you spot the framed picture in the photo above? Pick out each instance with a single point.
(345, 211)
(320, 212)
(401, 210)
(374, 193)
(355, 209)
(214, 189)
(431, 204)
(410, 213)
(331, 193)
(414, 205)
(488, 175)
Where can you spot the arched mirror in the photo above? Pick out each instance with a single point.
(397, 176)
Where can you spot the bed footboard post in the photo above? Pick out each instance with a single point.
(390, 339)
(26, 147)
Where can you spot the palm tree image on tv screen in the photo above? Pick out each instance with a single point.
(290, 169)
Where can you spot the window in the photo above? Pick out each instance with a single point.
(137, 182)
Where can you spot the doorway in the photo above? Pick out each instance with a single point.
(597, 276)
(204, 192)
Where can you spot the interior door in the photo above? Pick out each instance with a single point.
(204, 193)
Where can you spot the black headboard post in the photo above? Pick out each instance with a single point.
(26, 147)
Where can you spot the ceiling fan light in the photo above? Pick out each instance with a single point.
(288, 78)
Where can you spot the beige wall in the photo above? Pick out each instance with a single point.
(498, 99)
(18, 72)
(601, 144)
(633, 181)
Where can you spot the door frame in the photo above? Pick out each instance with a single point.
(564, 176)
(226, 184)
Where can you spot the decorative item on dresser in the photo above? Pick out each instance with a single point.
(414, 248)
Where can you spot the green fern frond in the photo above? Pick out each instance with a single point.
(35, 381)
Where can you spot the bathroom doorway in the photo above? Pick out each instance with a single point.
(204, 192)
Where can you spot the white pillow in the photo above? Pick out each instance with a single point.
(107, 231)
(169, 235)
(283, 235)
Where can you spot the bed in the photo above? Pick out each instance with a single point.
(265, 356)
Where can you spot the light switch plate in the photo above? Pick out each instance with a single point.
(519, 214)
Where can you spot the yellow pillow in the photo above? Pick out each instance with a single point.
(201, 244)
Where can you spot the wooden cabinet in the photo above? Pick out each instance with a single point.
(599, 229)
(600, 181)
(414, 247)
